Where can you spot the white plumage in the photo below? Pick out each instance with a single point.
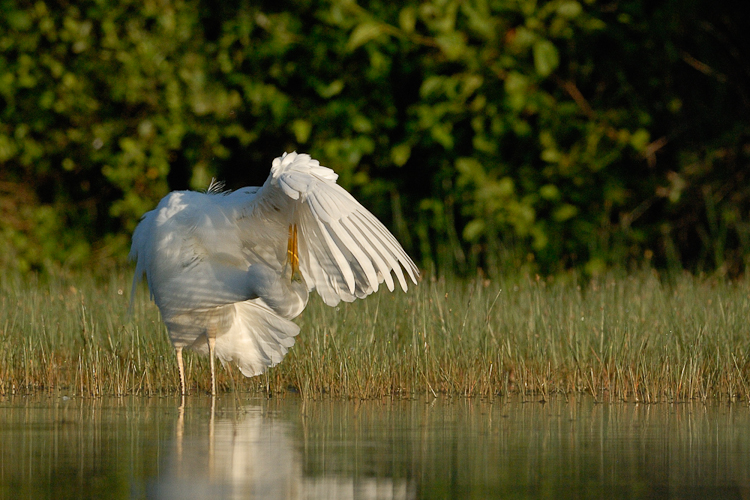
(230, 270)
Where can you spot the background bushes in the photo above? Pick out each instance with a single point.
(531, 134)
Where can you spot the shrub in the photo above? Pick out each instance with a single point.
(543, 135)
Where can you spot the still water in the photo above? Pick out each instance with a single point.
(287, 448)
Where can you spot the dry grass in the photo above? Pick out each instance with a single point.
(634, 337)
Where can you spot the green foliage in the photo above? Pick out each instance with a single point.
(518, 133)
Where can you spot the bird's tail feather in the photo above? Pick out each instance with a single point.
(257, 339)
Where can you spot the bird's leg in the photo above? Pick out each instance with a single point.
(211, 347)
(181, 368)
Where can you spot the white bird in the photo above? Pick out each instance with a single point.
(230, 270)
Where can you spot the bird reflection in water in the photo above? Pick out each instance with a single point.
(252, 453)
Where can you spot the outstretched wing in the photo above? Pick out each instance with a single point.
(341, 249)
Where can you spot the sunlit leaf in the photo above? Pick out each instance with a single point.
(565, 212)
(546, 58)
(400, 154)
(301, 130)
(569, 9)
(452, 44)
(473, 230)
(407, 19)
(362, 34)
(640, 139)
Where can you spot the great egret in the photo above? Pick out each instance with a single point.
(229, 270)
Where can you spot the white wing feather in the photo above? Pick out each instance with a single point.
(345, 252)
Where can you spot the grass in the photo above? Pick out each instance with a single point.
(634, 337)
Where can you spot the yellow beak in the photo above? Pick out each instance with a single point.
(292, 251)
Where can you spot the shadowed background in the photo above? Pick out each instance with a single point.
(529, 135)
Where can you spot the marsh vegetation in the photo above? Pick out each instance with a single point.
(637, 337)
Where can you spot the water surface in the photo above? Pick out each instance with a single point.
(288, 448)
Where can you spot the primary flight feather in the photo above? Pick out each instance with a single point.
(230, 270)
